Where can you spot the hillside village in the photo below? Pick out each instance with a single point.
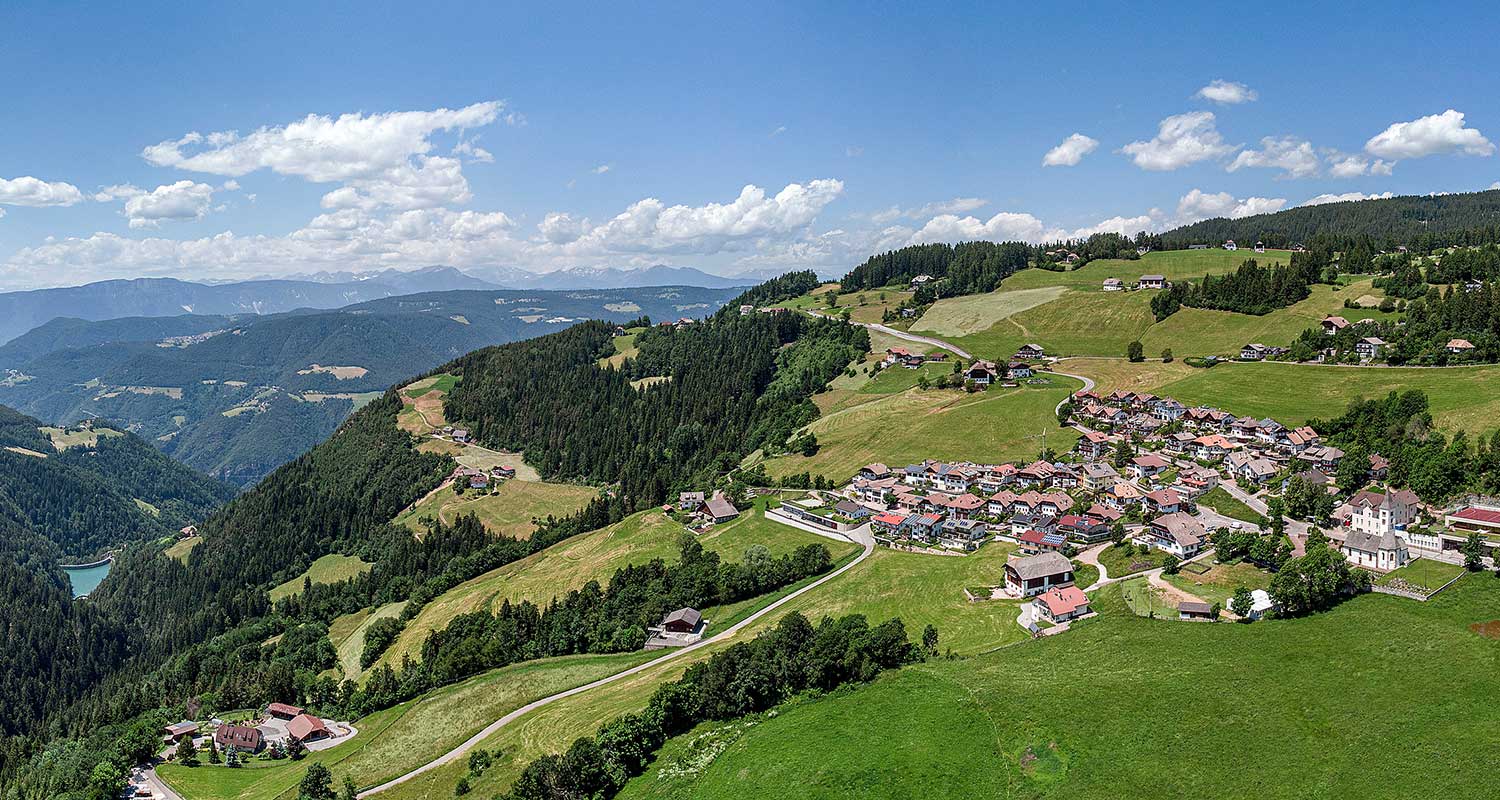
(1147, 472)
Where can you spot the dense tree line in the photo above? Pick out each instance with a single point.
(1400, 428)
(1422, 223)
(735, 384)
(775, 290)
(1250, 289)
(1422, 334)
(958, 269)
(746, 678)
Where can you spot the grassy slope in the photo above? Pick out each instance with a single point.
(509, 510)
(1461, 397)
(1339, 705)
(595, 556)
(903, 426)
(1220, 500)
(1069, 314)
(920, 588)
(397, 739)
(331, 568)
(348, 635)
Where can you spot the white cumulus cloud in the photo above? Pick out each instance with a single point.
(1294, 157)
(1006, 225)
(385, 158)
(1431, 135)
(562, 228)
(29, 191)
(1070, 152)
(178, 201)
(1200, 205)
(1353, 165)
(1344, 198)
(1227, 92)
(1180, 140)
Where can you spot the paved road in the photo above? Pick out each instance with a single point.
(861, 534)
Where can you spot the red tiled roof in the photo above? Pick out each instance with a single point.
(1472, 514)
(305, 725)
(1064, 599)
(890, 519)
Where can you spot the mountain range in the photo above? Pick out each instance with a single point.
(236, 395)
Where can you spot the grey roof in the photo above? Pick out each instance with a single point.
(1181, 527)
(688, 615)
(1194, 607)
(718, 506)
(1370, 543)
(1040, 566)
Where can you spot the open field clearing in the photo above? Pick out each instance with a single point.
(1461, 397)
(348, 635)
(485, 459)
(624, 348)
(957, 316)
(570, 564)
(180, 548)
(1086, 322)
(1218, 584)
(62, 438)
(908, 426)
(1100, 712)
(1220, 500)
(508, 510)
(395, 740)
(331, 568)
(422, 404)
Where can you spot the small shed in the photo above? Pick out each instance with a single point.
(283, 710)
(1192, 609)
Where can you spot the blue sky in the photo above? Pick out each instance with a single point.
(234, 141)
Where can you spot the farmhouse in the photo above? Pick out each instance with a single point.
(1113, 285)
(719, 509)
(687, 501)
(1459, 346)
(1152, 282)
(1029, 351)
(683, 620)
(1062, 603)
(306, 727)
(982, 373)
(1253, 352)
(244, 738)
(1369, 348)
(1030, 576)
(1334, 324)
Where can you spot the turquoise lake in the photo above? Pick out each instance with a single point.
(86, 579)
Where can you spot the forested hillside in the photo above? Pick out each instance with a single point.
(1420, 222)
(89, 497)
(238, 396)
(735, 383)
(106, 489)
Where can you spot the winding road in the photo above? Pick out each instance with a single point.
(860, 535)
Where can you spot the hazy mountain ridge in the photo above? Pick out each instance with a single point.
(237, 396)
